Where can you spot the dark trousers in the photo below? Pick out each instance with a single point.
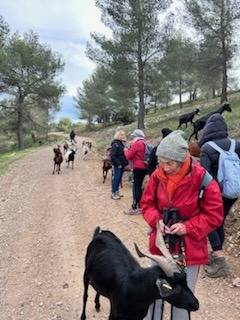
(117, 174)
(216, 237)
(138, 176)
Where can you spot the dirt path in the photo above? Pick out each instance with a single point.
(46, 222)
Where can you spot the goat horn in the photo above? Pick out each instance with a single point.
(162, 246)
(167, 266)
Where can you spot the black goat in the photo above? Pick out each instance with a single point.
(200, 123)
(187, 117)
(114, 273)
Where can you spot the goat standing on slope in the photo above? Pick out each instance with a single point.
(114, 273)
(187, 117)
(58, 159)
(200, 123)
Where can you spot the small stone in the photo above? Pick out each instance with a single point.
(65, 286)
(236, 282)
(59, 303)
(40, 304)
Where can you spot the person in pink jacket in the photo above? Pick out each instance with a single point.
(136, 154)
(173, 191)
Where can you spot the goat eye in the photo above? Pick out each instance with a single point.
(165, 289)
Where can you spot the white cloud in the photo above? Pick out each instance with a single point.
(65, 25)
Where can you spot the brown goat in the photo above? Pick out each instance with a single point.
(58, 159)
(107, 165)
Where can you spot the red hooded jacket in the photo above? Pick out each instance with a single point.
(136, 154)
(199, 219)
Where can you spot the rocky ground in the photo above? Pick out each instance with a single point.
(46, 222)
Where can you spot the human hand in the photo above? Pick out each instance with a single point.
(178, 228)
(163, 228)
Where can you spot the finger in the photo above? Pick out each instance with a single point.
(166, 229)
(174, 227)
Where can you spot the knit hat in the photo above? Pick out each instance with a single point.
(138, 133)
(173, 147)
(165, 132)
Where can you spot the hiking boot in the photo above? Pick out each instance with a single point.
(132, 211)
(211, 258)
(218, 268)
(114, 196)
(119, 194)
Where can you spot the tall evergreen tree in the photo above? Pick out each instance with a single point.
(209, 66)
(93, 99)
(135, 34)
(178, 64)
(216, 19)
(27, 75)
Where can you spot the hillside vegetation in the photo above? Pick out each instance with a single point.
(154, 122)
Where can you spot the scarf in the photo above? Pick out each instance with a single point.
(172, 180)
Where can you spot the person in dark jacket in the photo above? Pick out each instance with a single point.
(216, 130)
(119, 161)
(72, 136)
(153, 160)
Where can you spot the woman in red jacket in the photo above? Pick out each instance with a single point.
(136, 154)
(174, 188)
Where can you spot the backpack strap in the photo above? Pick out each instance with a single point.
(215, 146)
(232, 145)
(207, 178)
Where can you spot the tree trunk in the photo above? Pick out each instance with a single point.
(167, 95)
(190, 96)
(140, 64)
(155, 104)
(195, 94)
(20, 127)
(213, 93)
(33, 137)
(224, 57)
(180, 93)
(224, 81)
(141, 110)
(46, 124)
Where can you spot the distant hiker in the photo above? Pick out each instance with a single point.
(136, 154)
(153, 160)
(118, 161)
(72, 136)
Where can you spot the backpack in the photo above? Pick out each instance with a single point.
(148, 150)
(207, 178)
(228, 174)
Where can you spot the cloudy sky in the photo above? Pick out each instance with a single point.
(65, 25)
